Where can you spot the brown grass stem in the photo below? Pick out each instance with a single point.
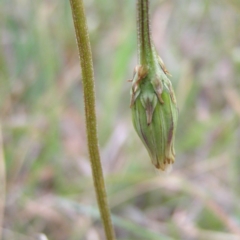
(2, 184)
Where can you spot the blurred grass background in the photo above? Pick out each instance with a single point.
(49, 186)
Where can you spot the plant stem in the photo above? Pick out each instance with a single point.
(144, 37)
(2, 182)
(85, 54)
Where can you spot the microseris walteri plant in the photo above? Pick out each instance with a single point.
(153, 102)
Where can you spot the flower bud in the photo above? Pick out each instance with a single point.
(154, 113)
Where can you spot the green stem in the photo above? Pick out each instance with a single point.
(85, 54)
(144, 36)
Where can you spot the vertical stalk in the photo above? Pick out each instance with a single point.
(144, 36)
(85, 54)
(2, 182)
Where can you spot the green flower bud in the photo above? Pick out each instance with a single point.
(154, 108)
(154, 113)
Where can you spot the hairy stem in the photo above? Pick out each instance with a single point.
(85, 54)
(144, 36)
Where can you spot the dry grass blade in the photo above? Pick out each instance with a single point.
(179, 183)
(233, 99)
(2, 182)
